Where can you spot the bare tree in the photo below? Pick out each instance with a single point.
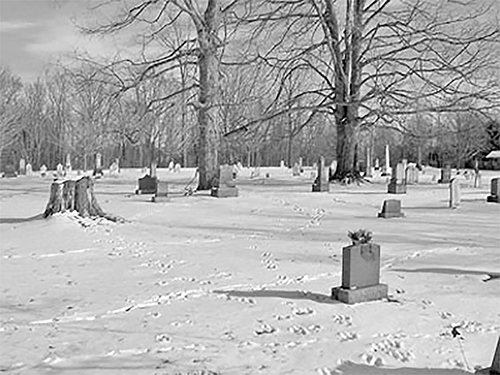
(378, 61)
(163, 53)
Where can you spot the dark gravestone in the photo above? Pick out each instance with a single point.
(391, 208)
(495, 191)
(226, 185)
(9, 171)
(147, 185)
(398, 182)
(360, 275)
(321, 183)
(161, 191)
(445, 175)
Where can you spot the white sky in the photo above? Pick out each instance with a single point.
(36, 32)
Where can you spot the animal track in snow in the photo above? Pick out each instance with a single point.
(264, 329)
(393, 347)
(347, 336)
(300, 330)
(304, 311)
(343, 320)
(268, 261)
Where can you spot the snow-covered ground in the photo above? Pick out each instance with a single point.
(200, 285)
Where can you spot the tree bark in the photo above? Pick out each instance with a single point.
(208, 65)
(71, 195)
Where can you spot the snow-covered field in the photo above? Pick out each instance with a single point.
(200, 285)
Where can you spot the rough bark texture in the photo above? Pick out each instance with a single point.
(71, 195)
(208, 65)
(347, 84)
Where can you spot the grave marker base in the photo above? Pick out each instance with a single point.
(394, 188)
(358, 295)
(321, 187)
(224, 192)
(161, 192)
(493, 198)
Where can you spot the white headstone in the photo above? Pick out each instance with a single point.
(113, 168)
(43, 170)
(60, 171)
(68, 163)
(171, 166)
(387, 168)
(454, 193)
(22, 166)
(29, 170)
(98, 161)
(282, 164)
(333, 167)
(177, 168)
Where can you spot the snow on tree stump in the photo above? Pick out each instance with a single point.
(75, 195)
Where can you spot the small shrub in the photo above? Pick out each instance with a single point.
(360, 236)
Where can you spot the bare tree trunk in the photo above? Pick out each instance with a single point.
(208, 65)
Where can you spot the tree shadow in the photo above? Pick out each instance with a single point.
(451, 271)
(17, 220)
(286, 294)
(350, 368)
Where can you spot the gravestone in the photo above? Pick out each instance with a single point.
(171, 166)
(29, 170)
(322, 182)
(22, 167)
(296, 170)
(398, 183)
(98, 166)
(255, 173)
(369, 169)
(240, 166)
(391, 208)
(113, 168)
(147, 185)
(301, 165)
(161, 191)
(68, 166)
(43, 170)
(226, 185)
(360, 275)
(60, 171)
(282, 164)
(495, 191)
(333, 168)
(445, 175)
(387, 168)
(177, 168)
(411, 176)
(454, 193)
(9, 171)
(377, 164)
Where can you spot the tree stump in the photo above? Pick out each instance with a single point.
(75, 195)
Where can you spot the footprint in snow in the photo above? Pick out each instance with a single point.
(304, 311)
(264, 329)
(347, 336)
(343, 320)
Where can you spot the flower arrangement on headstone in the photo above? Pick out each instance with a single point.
(360, 270)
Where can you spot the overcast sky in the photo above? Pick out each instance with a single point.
(35, 32)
